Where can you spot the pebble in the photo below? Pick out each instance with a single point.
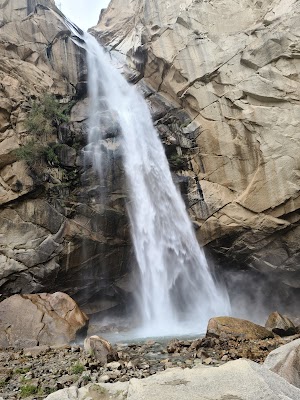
(207, 361)
(113, 365)
(104, 379)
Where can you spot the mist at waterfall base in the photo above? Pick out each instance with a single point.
(176, 292)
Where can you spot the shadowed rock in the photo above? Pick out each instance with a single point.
(281, 325)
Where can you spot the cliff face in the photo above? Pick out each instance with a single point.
(234, 68)
(222, 82)
(54, 233)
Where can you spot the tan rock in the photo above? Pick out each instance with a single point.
(227, 327)
(39, 319)
(36, 351)
(235, 70)
(281, 325)
(285, 361)
(238, 380)
(99, 348)
(15, 180)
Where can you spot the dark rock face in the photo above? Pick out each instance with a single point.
(59, 229)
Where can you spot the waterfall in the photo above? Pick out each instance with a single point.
(177, 292)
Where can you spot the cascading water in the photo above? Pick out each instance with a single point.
(177, 292)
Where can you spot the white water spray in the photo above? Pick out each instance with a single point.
(177, 292)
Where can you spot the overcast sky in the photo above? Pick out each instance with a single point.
(85, 13)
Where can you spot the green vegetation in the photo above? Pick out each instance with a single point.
(177, 162)
(86, 379)
(22, 370)
(30, 152)
(28, 390)
(42, 145)
(97, 390)
(43, 119)
(50, 155)
(2, 383)
(45, 116)
(46, 391)
(77, 369)
(33, 151)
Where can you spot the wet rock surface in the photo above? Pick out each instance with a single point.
(47, 369)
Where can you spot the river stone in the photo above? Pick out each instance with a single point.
(285, 361)
(99, 348)
(229, 327)
(39, 319)
(236, 380)
(280, 325)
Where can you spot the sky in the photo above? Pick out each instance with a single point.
(84, 13)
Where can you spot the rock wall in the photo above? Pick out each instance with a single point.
(222, 82)
(55, 234)
(234, 68)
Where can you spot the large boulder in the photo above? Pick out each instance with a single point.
(39, 319)
(285, 361)
(229, 327)
(99, 348)
(236, 380)
(280, 325)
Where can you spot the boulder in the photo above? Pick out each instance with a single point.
(236, 380)
(280, 325)
(285, 361)
(229, 327)
(39, 319)
(99, 348)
